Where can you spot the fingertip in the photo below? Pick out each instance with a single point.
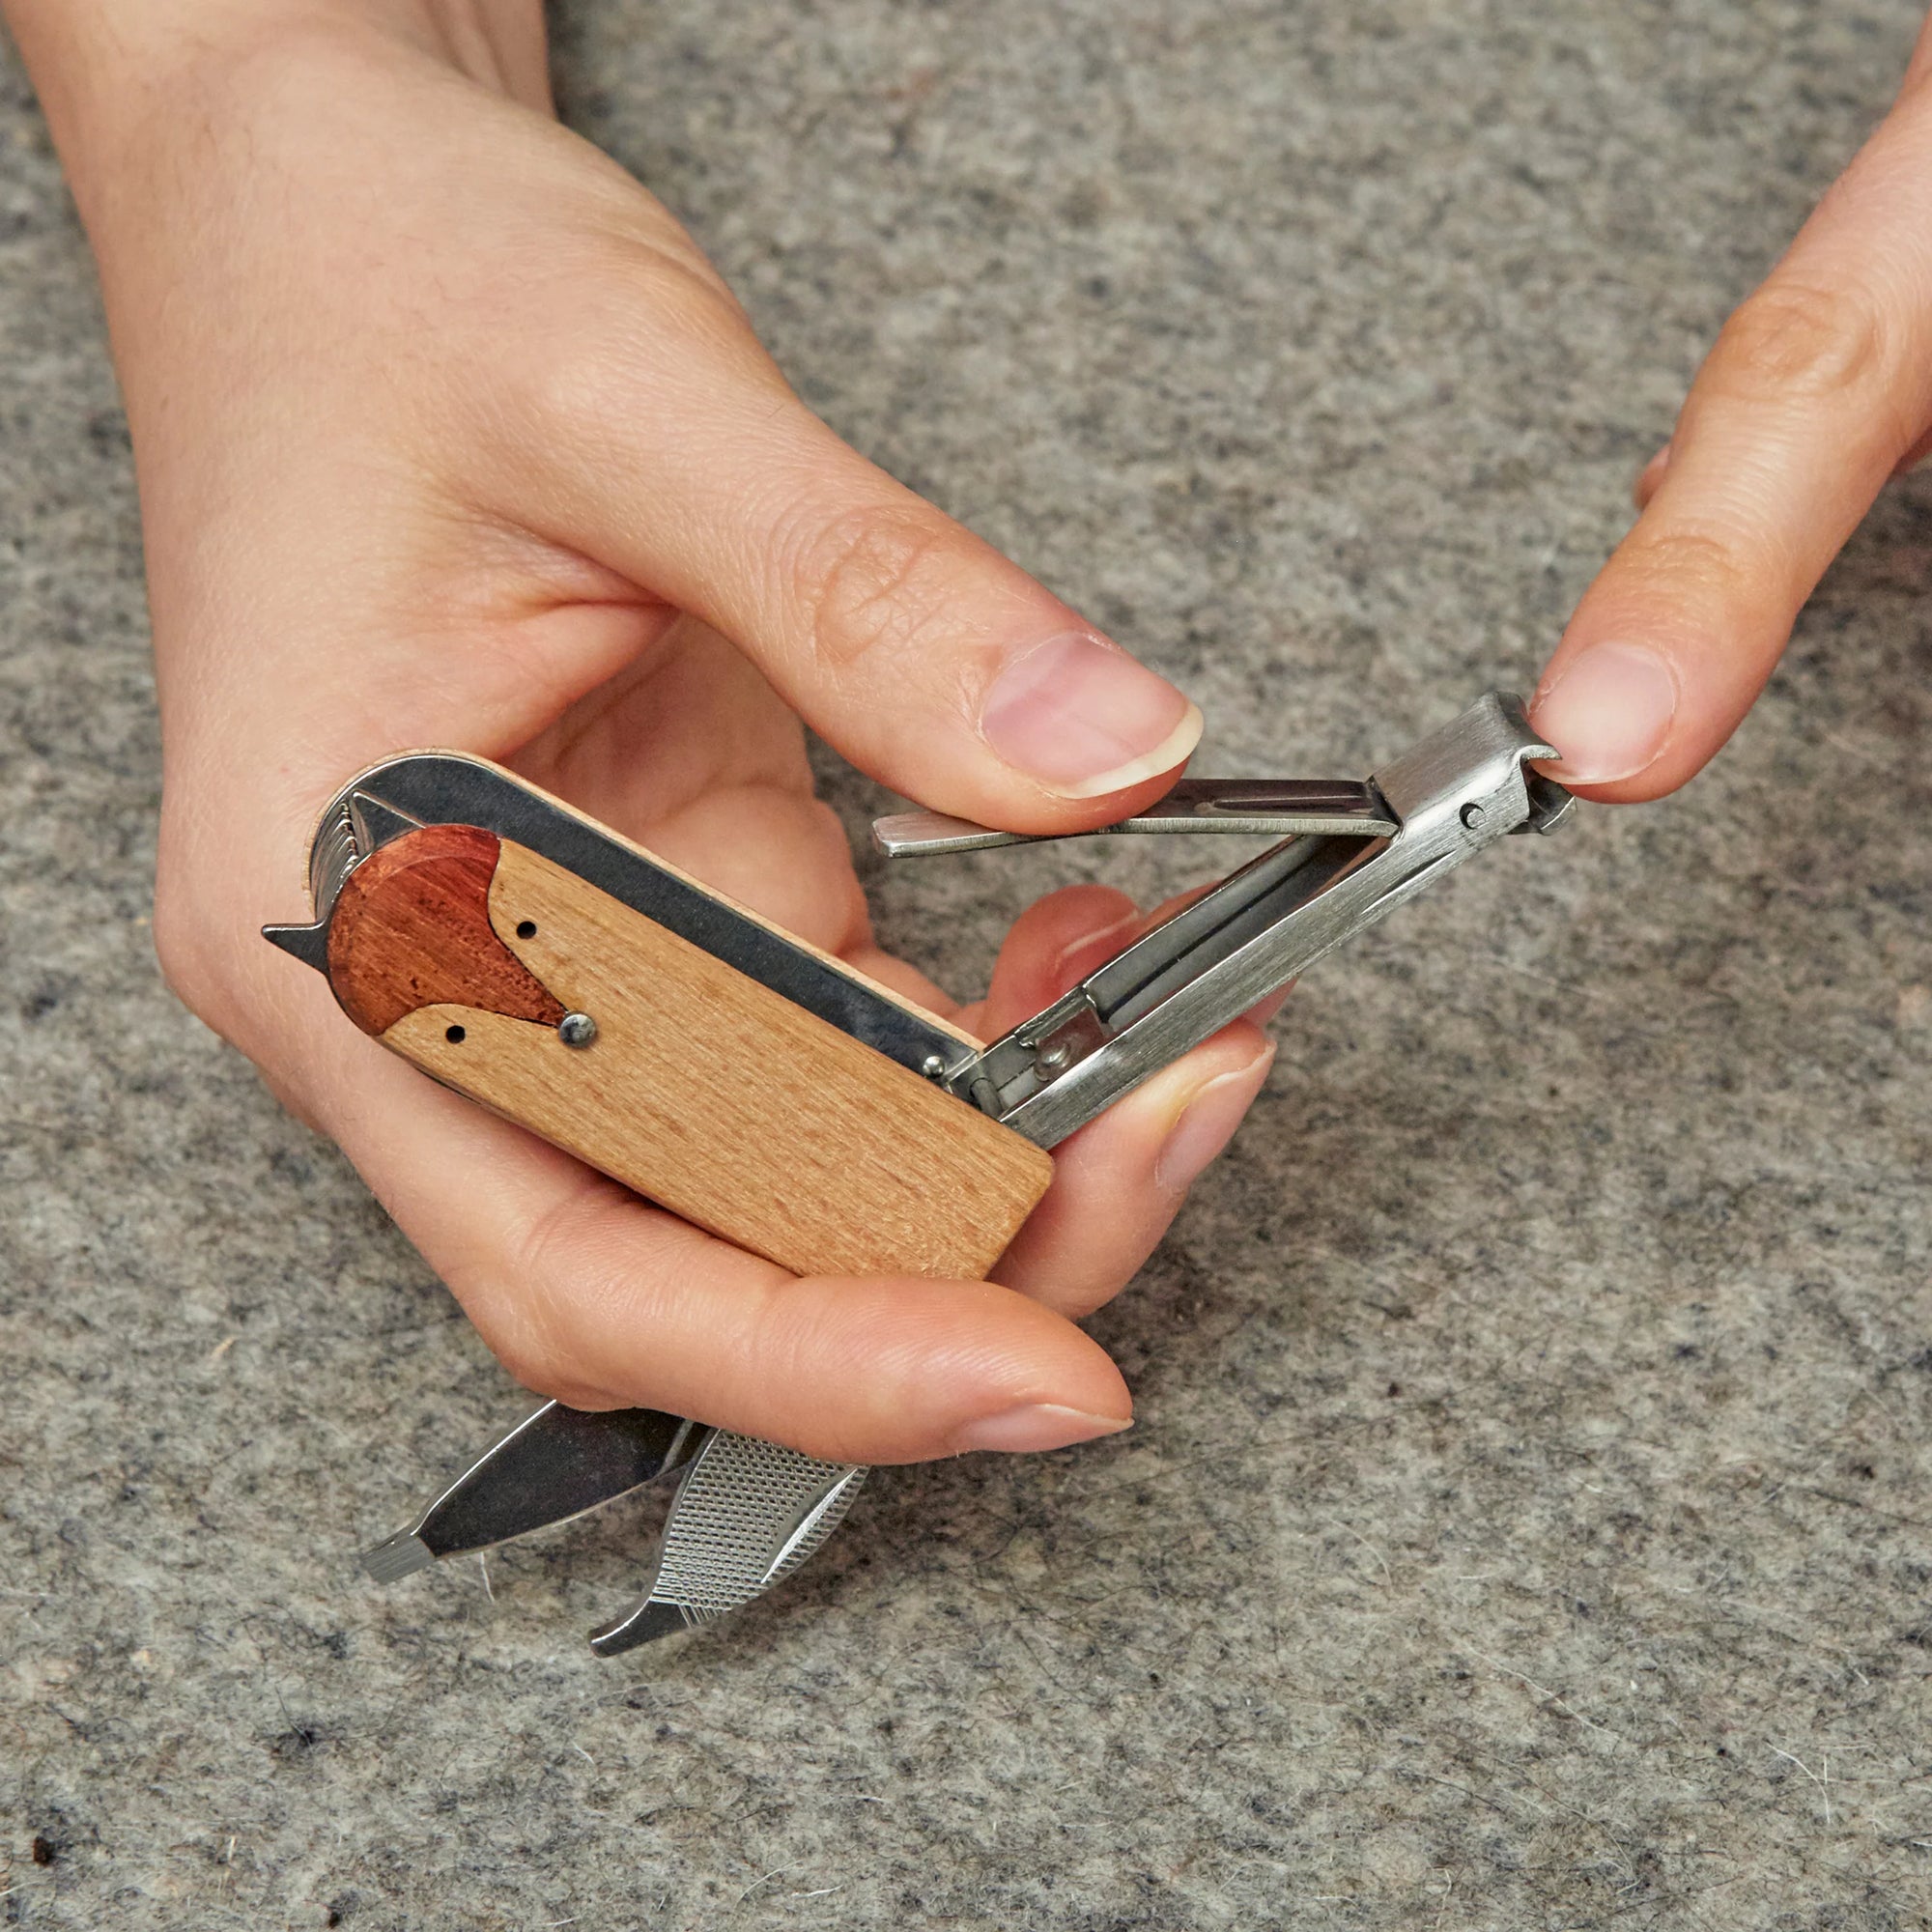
(894, 1370)
(1214, 1112)
(1036, 1426)
(1608, 707)
(1645, 787)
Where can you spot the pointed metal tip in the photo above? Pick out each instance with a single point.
(396, 1556)
(647, 1620)
(307, 943)
(377, 823)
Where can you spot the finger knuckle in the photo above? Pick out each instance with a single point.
(533, 1361)
(877, 581)
(643, 306)
(195, 967)
(537, 1326)
(1692, 563)
(1794, 340)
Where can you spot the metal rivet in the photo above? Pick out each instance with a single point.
(577, 1029)
(933, 1065)
(1051, 1059)
(1473, 816)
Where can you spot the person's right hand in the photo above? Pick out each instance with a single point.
(446, 433)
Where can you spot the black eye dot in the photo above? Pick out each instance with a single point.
(526, 929)
(454, 1036)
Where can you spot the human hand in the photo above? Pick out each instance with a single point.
(1818, 389)
(446, 433)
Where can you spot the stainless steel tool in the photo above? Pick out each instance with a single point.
(748, 1513)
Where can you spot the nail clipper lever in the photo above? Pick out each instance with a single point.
(1258, 808)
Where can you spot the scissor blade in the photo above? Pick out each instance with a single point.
(554, 1465)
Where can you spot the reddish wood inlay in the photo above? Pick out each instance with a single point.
(412, 928)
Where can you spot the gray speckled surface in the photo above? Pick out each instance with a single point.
(1527, 1524)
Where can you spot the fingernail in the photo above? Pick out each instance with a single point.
(1082, 717)
(1608, 713)
(1207, 1123)
(1035, 1426)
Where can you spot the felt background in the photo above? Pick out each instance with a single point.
(1527, 1520)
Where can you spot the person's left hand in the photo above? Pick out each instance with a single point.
(447, 434)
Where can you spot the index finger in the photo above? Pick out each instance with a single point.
(1818, 385)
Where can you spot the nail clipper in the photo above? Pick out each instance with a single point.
(562, 976)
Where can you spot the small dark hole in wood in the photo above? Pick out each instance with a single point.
(454, 1036)
(526, 929)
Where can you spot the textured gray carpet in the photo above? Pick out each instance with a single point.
(1527, 1524)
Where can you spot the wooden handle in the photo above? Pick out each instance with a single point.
(702, 1089)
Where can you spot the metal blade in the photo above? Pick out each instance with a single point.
(554, 1465)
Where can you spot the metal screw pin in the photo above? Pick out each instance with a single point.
(577, 1029)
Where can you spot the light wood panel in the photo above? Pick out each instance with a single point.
(722, 1101)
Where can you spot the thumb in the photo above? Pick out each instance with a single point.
(913, 647)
